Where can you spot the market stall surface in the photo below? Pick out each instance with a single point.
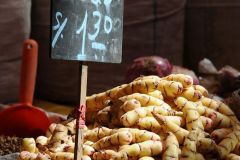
(9, 146)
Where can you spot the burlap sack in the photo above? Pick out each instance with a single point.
(14, 29)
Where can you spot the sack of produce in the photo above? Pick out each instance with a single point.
(14, 30)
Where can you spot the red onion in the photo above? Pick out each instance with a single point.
(152, 65)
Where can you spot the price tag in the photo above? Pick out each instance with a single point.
(87, 30)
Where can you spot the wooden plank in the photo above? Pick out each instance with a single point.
(78, 153)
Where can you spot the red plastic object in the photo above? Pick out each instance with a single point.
(81, 116)
(23, 119)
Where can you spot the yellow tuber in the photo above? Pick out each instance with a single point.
(206, 145)
(43, 156)
(151, 77)
(201, 89)
(141, 135)
(25, 155)
(232, 156)
(219, 106)
(71, 126)
(89, 143)
(42, 140)
(150, 123)
(97, 102)
(185, 80)
(146, 148)
(146, 158)
(207, 123)
(189, 150)
(103, 116)
(219, 134)
(85, 157)
(229, 143)
(60, 134)
(119, 138)
(88, 150)
(131, 118)
(156, 94)
(109, 154)
(219, 120)
(171, 148)
(130, 104)
(62, 156)
(179, 132)
(51, 129)
(193, 121)
(237, 149)
(191, 94)
(146, 100)
(29, 144)
(170, 118)
(97, 133)
(168, 88)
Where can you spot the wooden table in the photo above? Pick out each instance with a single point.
(53, 107)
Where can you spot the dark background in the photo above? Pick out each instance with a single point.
(184, 31)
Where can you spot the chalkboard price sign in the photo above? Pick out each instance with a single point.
(87, 30)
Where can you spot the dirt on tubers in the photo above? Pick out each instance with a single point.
(166, 118)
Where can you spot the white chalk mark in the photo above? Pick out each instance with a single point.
(107, 4)
(108, 24)
(98, 46)
(96, 2)
(58, 14)
(83, 29)
(96, 25)
(59, 32)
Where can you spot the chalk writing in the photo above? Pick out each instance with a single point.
(107, 21)
(98, 16)
(96, 25)
(59, 27)
(85, 30)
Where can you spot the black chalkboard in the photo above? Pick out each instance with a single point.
(87, 30)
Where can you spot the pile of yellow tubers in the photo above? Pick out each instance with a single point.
(150, 118)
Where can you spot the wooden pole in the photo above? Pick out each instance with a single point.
(78, 152)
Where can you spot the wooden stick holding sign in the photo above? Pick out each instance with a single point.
(78, 153)
(86, 31)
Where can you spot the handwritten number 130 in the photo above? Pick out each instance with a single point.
(92, 37)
